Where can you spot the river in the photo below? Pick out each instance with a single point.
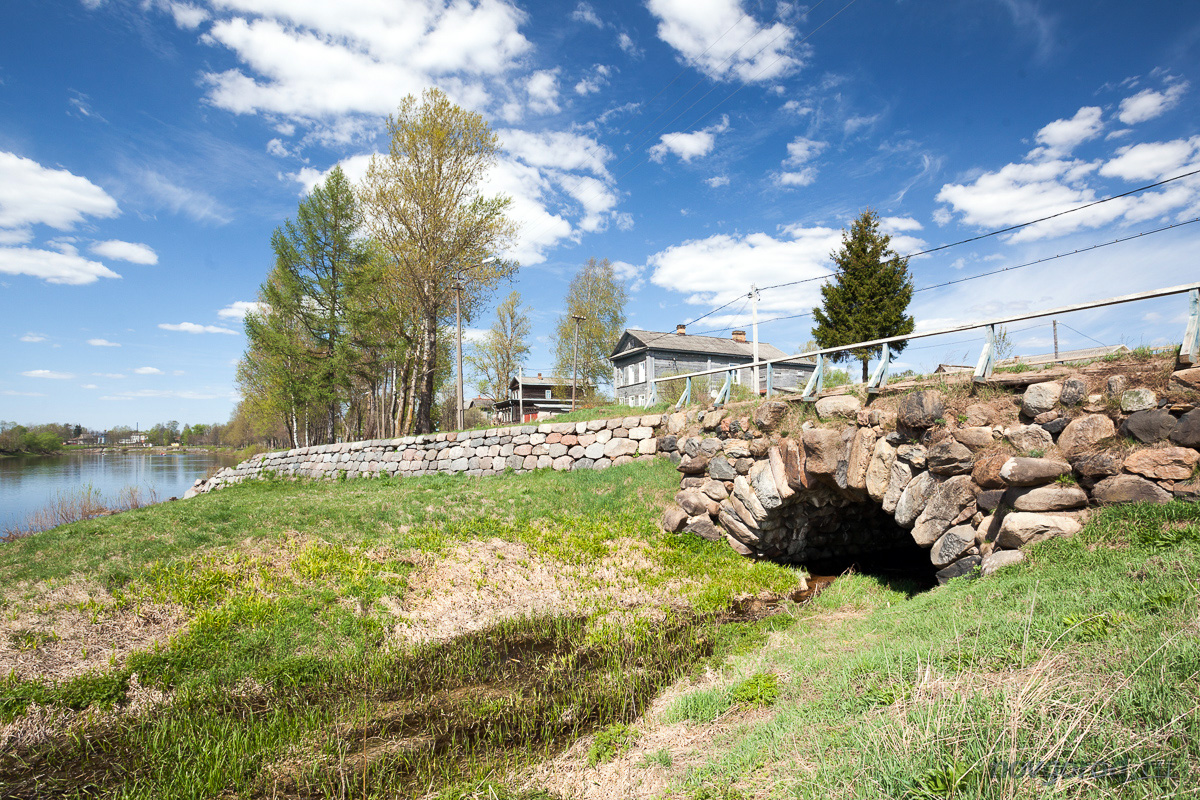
(30, 483)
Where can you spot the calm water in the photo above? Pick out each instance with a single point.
(30, 483)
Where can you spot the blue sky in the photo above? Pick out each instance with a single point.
(149, 147)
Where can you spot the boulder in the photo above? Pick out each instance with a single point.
(952, 544)
(1098, 466)
(693, 501)
(690, 465)
(1026, 438)
(758, 447)
(793, 463)
(1040, 398)
(779, 474)
(676, 423)
(720, 469)
(1185, 380)
(710, 446)
(1020, 528)
(822, 448)
(673, 519)
(1083, 433)
(912, 500)
(1187, 430)
(949, 457)
(1074, 390)
(1151, 425)
(964, 567)
(1137, 400)
(762, 480)
(1164, 463)
(880, 469)
(703, 527)
(946, 502)
(1115, 385)
(986, 472)
(715, 489)
(921, 410)
(616, 448)
(858, 459)
(842, 405)
(913, 454)
(745, 494)
(667, 444)
(712, 420)
(736, 448)
(1129, 489)
(1055, 426)
(975, 438)
(989, 499)
(898, 479)
(1052, 497)
(768, 415)
(980, 415)
(999, 559)
(1032, 471)
(730, 521)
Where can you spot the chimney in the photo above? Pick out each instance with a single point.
(681, 329)
(739, 336)
(540, 374)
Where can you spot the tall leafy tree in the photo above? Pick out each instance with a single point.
(317, 299)
(868, 296)
(503, 349)
(426, 211)
(597, 295)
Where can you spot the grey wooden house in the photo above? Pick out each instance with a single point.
(641, 356)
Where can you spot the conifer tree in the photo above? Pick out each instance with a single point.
(868, 296)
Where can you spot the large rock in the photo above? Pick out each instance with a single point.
(999, 559)
(1040, 398)
(768, 415)
(715, 489)
(921, 410)
(762, 480)
(964, 567)
(695, 502)
(1054, 497)
(793, 463)
(673, 519)
(1187, 430)
(946, 502)
(1097, 466)
(975, 438)
(1138, 400)
(736, 529)
(744, 493)
(1027, 438)
(842, 405)
(858, 460)
(822, 449)
(1185, 380)
(689, 465)
(720, 469)
(880, 470)
(980, 415)
(1032, 471)
(1164, 463)
(912, 500)
(1152, 425)
(1115, 385)
(913, 454)
(949, 457)
(1074, 390)
(779, 474)
(703, 527)
(1083, 433)
(736, 448)
(1020, 528)
(898, 480)
(986, 471)
(952, 544)
(712, 420)
(1129, 489)
(676, 423)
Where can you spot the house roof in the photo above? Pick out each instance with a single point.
(1066, 355)
(635, 339)
(540, 380)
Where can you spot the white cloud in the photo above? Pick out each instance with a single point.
(893, 225)
(1153, 159)
(597, 80)
(802, 177)
(276, 148)
(88, 386)
(53, 267)
(170, 394)
(192, 327)
(1148, 103)
(689, 145)
(626, 43)
(114, 375)
(15, 236)
(33, 337)
(49, 374)
(854, 124)
(102, 343)
(31, 194)
(186, 15)
(717, 181)
(724, 42)
(147, 371)
(800, 151)
(14, 393)
(133, 252)
(542, 87)
(586, 14)
(196, 204)
(239, 309)
(1062, 136)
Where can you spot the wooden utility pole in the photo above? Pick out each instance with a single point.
(575, 359)
(1054, 325)
(458, 316)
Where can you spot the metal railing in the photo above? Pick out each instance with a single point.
(1189, 351)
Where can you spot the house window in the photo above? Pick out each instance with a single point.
(737, 375)
(617, 377)
(641, 372)
(547, 394)
(629, 374)
(641, 400)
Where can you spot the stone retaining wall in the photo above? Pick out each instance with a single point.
(594, 444)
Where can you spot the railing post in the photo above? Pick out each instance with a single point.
(685, 396)
(813, 387)
(770, 378)
(723, 395)
(879, 378)
(1189, 349)
(983, 370)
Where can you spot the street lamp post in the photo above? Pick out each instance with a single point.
(458, 318)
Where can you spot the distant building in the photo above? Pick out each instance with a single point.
(529, 396)
(641, 356)
(136, 440)
(943, 369)
(1065, 356)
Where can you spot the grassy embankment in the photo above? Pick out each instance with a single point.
(302, 669)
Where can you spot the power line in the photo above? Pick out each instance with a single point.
(1084, 335)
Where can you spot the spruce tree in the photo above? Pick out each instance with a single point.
(868, 296)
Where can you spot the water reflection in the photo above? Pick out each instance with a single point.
(28, 483)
